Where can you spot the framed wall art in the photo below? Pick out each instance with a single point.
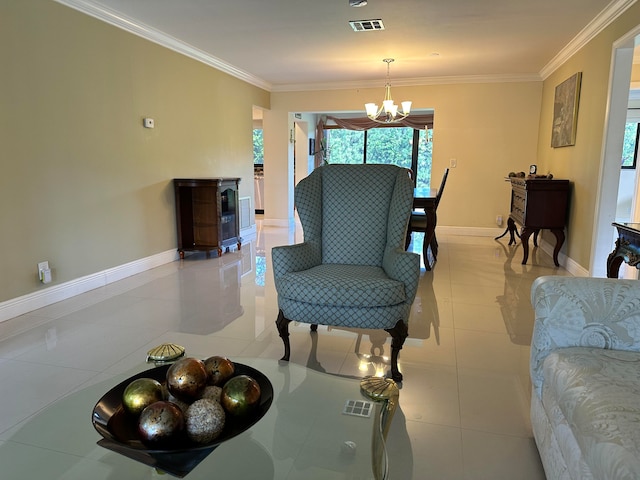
(565, 112)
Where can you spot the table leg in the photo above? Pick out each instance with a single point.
(613, 263)
(513, 231)
(432, 219)
(559, 233)
(524, 237)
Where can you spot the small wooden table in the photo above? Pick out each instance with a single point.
(537, 203)
(425, 199)
(627, 248)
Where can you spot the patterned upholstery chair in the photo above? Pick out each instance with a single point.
(351, 270)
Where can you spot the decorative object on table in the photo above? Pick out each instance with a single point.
(119, 429)
(167, 352)
(186, 379)
(565, 112)
(351, 270)
(388, 112)
(386, 394)
(219, 370)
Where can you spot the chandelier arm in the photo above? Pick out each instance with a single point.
(391, 113)
(399, 117)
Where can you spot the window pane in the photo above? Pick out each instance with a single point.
(390, 146)
(258, 146)
(629, 145)
(345, 146)
(424, 159)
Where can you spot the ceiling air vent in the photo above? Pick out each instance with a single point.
(366, 25)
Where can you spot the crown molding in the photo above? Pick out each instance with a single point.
(105, 14)
(593, 28)
(156, 36)
(409, 82)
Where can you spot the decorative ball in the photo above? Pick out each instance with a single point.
(141, 393)
(212, 392)
(240, 395)
(161, 424)
(219, 370)
(204, 420)
(186, 379)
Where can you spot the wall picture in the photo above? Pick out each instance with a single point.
(565, 112)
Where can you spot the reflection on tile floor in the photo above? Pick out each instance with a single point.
(465, 399)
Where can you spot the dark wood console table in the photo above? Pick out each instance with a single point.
(207, 214)
(537, 203)
(627, 248)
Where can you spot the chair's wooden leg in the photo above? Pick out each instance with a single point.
(399, 334)
(283, 330)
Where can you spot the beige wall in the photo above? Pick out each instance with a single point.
(490, 129)
(83, 184)
(581, 163)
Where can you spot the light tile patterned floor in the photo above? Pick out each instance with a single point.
(465, 399)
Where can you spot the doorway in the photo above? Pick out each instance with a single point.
(609, 175)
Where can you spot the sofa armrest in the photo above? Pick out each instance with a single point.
(404, 267)
(293, 258)
(589, 312)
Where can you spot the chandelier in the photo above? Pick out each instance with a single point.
(388, 112)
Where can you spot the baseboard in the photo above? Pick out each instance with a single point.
(47, 296)
(470, 231)
(571, 266)
(42, 298)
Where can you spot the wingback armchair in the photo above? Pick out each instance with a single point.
(351, 270)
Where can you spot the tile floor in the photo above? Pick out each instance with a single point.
(465, 399)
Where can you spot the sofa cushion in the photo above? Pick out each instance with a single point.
(346, 285)
(598, 392)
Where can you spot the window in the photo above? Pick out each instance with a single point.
(389, 145)
(258, 147)
(630, 145)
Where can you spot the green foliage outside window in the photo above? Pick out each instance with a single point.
(258, 146)
(382, 145)
(630, 147)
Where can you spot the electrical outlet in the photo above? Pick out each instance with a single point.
(499, 220)
(453, 162)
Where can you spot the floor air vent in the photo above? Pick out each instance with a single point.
(366, 25)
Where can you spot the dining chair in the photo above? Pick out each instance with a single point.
(418, 223)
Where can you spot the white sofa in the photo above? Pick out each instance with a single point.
(585, 372)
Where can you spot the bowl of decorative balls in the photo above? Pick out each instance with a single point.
(172, 416)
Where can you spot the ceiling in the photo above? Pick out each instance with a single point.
(304, 44)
